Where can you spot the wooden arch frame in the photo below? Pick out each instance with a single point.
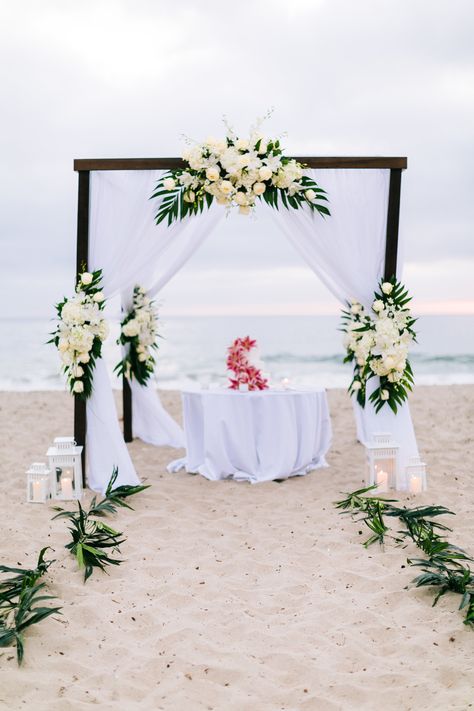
(84, 167)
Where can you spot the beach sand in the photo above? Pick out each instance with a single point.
(235, 597)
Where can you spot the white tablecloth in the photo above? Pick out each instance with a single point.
(254, 436)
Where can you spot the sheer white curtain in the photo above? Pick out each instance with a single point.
(125, 242)
(347, 252)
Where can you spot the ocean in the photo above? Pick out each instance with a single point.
(305, 349)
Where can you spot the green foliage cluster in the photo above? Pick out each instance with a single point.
(446, 567)
(21, 603)
(95, 543)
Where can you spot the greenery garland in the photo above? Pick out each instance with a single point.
(138, 333)
(445, 569)
(94, 543)
(377, 344)
(20, 596)
(236, 172)
(80, 332)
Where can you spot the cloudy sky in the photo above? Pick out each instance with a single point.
(118, 78)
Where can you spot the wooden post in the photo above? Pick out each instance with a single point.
(82, 258)
(393, 220)
(127, 410)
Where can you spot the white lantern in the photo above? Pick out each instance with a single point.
(383, 465)
(37, 483)
(415, 472)
(65, 466)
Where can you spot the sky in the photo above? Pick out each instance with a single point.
(126, 78)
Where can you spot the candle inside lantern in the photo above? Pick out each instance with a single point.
(416, 484)
(37, 491)
(66, 488)
(382, 480)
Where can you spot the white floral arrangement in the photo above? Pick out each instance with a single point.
(377, 342)
(236, 172)
(138, 333)
(80, 332)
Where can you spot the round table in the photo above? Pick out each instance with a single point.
(254, 436)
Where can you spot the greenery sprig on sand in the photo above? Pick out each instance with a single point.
(21, 598)
(446, 567)
(95, 543)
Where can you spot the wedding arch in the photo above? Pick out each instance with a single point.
(116, 231)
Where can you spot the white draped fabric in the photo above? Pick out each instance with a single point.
(126, 244)
(346, 251)
(254, 436)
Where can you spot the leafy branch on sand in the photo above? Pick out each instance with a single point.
(20, 596)
(94, 543)
(446, 567)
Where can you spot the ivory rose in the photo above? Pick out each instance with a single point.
(259, 188)
(265, 173)
(212, 174)
(169, 184)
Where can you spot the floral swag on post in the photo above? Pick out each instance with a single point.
(244, 363)
(138, 333)
(236, 172)
(80, 332)
(377, 344)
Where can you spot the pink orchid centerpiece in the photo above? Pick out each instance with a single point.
(243, 361)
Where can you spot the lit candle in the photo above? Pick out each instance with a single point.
(416, 484)
(382, 480)
(66, 488)
(37, 491)
(286, 383)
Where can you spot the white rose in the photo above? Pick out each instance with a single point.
(226, 187)
(378, 306)
(310, 195)
(356, 308)
(169, 184)
(77, 371)
(244, 210)
(87, 278)
(389, 362)
(99, 297)
(142, 357)
(103, 330)
(189, 196)
(387, 288)
(361, 361)
(384, 395)
(67, 358)
(78, 387)
(240, 198)
(83, 357)
(241, 144)
(131, 328)
(212, 174)
(259, 188)
(356, 385)
(263, 146)
(265, 173)
(63, 345)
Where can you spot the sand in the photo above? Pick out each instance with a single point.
(236, 597)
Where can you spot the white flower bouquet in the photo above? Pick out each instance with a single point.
(80, 332)
(138, 333)
(236, 172)
(377, 343)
